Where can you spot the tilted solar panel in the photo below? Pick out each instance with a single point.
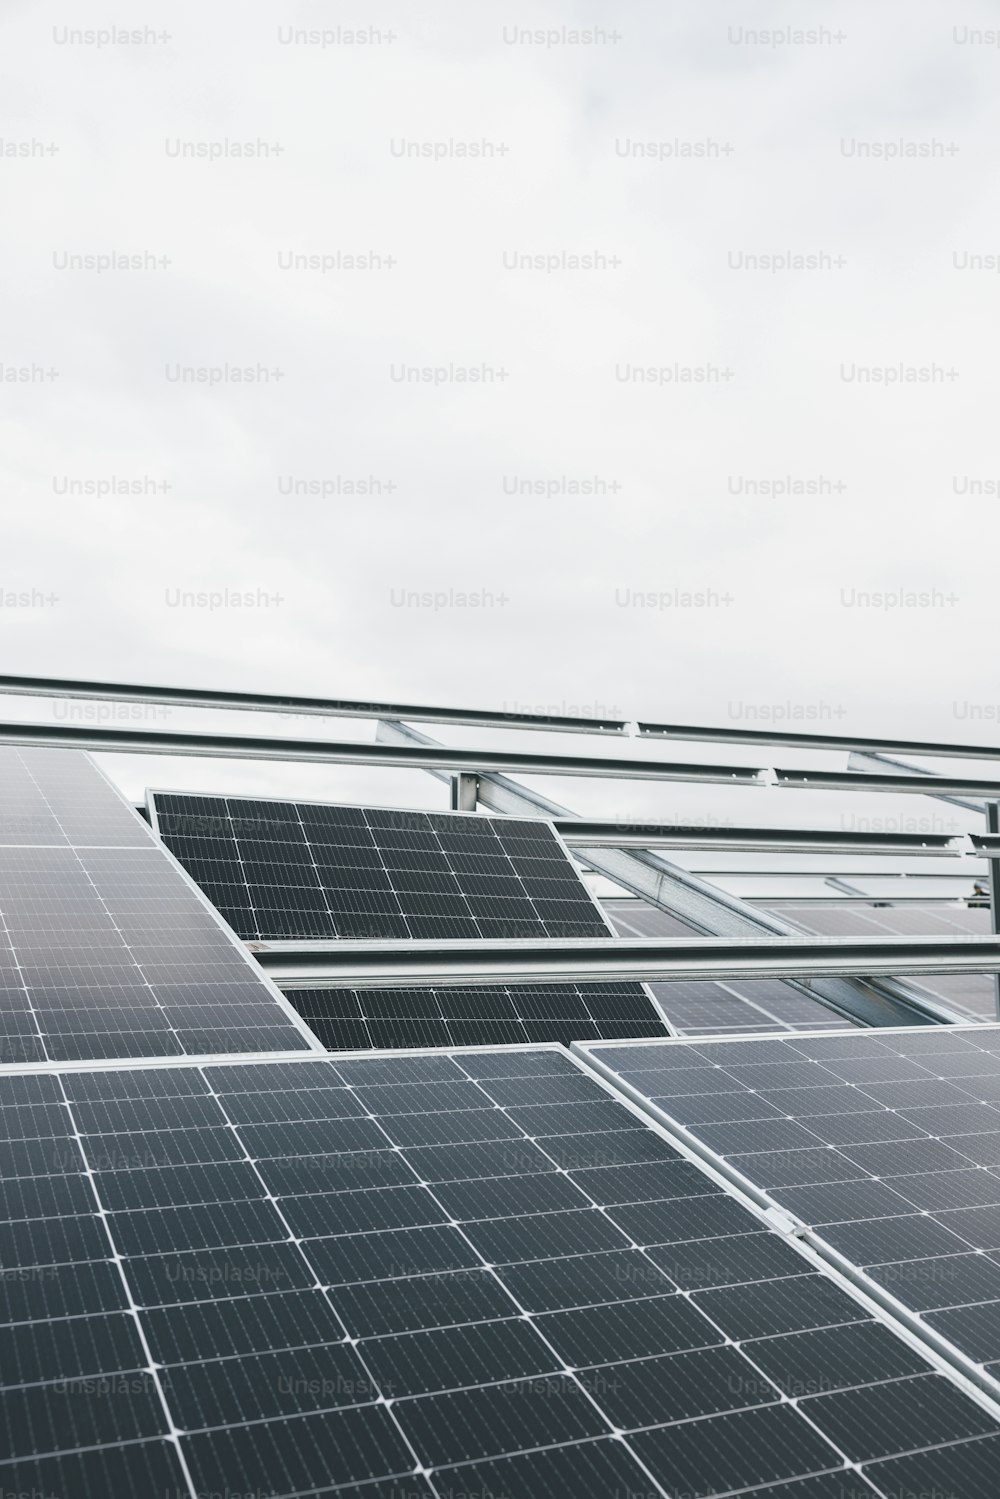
(479, 1016)
(439, 1274)
(309, 870)
(885, 1143)
(107, 950)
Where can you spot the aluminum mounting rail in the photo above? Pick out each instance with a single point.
(583, 723)
(579, 832)
(115, 740)
(203, 697)
(345, 752)
(780, 903)
(708, 735)
(348, 964)
(915, 785)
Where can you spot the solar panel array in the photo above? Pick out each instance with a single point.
(106, 949)
(370, 872)
(437, 1275)
(887, 1144)
(447, 1273)
(704, 1008)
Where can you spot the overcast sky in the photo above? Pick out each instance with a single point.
(678, 148)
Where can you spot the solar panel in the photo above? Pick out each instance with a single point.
(442, 1274)
(310, 870)
(479, 1016)
(704, 1008)
(887, 1144)
(971, 994)
(300, 870)
(106, 948)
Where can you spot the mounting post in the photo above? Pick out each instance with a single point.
(464, 792)
(993, 826)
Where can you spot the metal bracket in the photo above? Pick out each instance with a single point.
(464, 792)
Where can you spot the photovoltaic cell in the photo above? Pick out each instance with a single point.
(891, 1154)
(282, 870)
(106, 950)
(350, 1305)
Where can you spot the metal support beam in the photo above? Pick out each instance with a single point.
(707, 735)
(993, 827)
(347, 964)
(593, 723)
(702, 906)
(914, 785)
(834, 902)
(265, 702)
(579, 832)
(257, 747)
(970, 872)
(115, 740)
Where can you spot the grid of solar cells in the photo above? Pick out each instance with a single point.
(345, 872)
(886, 1143)
(300, 870)
(703, 1008)
(105, 949)
(435, 1275)
(55, 797)
(477, 1016)
(973, 994)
